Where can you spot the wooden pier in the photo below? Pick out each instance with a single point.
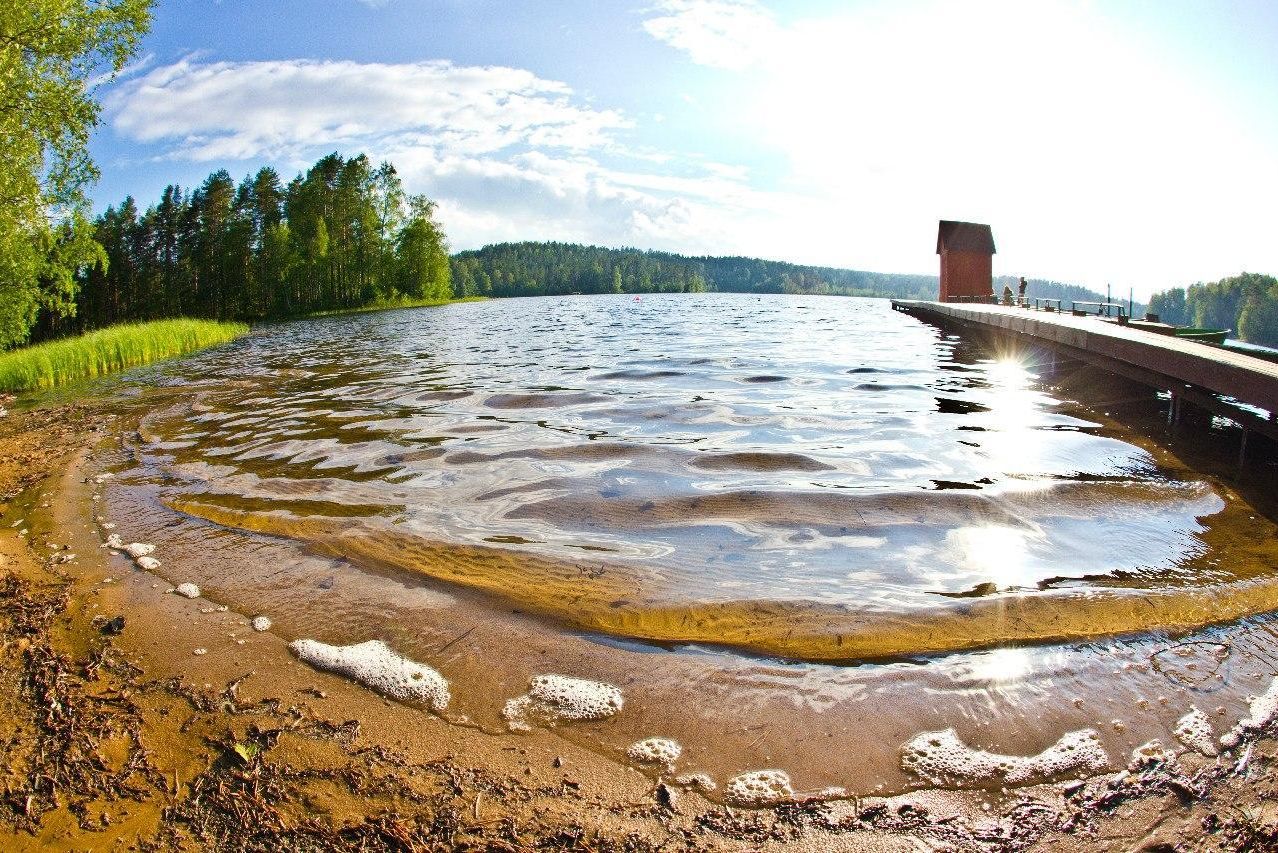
(1240, 387)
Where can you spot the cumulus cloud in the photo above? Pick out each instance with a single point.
(507, 154)
(247, 110)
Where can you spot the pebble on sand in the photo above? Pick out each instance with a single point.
(261, 623)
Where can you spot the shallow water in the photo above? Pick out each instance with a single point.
(718, 503)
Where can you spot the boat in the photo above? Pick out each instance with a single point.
(1205, 336)
(1189, 333)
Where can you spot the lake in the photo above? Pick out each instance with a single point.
(794, 531)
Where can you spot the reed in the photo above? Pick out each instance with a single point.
(109, 350)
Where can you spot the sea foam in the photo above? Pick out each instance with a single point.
(1264, 710)
(374, 665)
(1194, 731)
(552, 697)
(655, 750)
(759, 788)
(942, 757)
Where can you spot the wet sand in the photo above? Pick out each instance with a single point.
(132, 740)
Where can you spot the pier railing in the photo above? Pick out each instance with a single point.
(1042, 303)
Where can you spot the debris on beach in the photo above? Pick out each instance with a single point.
(552, 697)
(1150, 754)
(201, 651)
(377, 667)
(1263, 711)
(113, 627)
(187, 590)
(942, 757)
(759, 788)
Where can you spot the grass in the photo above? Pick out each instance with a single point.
(109, 350)
(394, 304)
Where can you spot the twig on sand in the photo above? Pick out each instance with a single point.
(463, 635)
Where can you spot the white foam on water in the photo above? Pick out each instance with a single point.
(261, 623)
(552, 697)
(759, 788)
(114, 541)
(188, 590)
(1194, 731)
(139, 549)
(655, 750)
(377, 667)
(943, 757)
(1264, 709)
(149, 564)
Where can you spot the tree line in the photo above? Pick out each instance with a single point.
(547, 269)
(1246, 303)
(342, 235)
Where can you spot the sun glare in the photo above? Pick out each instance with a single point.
(1000, 666)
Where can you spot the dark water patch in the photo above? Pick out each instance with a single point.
(942, 485)
(952, 406)
(541, 401)
(442, 396)
(764, 378)
(641, 374)
(594, 451)
(884, 386)
(758, 462)
(981, 590)
(511, 540)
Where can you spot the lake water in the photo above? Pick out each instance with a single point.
(794, 531)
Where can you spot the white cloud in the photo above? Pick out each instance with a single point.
(732, 34)
(508, 155)
(247, 110)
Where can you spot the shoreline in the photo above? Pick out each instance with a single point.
(247, 748)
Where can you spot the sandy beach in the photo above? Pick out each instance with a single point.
(129, 739)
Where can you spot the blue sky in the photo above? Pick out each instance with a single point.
(1131, 143)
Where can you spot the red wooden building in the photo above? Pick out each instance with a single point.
(967, 252)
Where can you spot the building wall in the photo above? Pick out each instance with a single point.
(966, 274)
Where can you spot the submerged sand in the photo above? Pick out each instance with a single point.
(129, 738)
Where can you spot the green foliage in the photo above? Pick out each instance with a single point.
(341, 236)
(537, 269)
(108, 351)
(50, 51)
(1246, 303)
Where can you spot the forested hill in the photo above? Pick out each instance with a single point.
(1246, 303)
(540, 269)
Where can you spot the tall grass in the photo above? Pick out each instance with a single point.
(392, 305)
(108, 351)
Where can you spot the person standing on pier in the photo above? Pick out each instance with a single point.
(1020, 292)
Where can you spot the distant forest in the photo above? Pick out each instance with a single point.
(542, 269)
(1246, 303)
(345, 235)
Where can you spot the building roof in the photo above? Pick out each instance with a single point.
(964, 237)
